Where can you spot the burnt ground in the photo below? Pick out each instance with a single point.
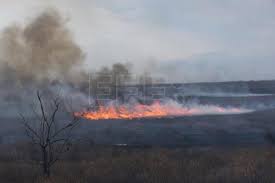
(256, 128)
(206, 148)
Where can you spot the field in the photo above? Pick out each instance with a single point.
(137, 91)
(119, 164)
(201, 148)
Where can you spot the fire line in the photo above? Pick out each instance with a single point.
(155, 110)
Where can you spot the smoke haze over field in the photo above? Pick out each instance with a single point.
(52, 46)
(213, 40)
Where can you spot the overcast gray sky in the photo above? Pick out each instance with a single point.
(198, 40)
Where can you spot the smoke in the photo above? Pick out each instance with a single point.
(41, 51)
(217, 67)
(42, 54)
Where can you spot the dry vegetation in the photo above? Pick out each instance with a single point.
(120, 164)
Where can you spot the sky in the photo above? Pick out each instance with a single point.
(185, 41)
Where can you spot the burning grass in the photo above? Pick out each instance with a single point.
(154, 110)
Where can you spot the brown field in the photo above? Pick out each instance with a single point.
(121, 164)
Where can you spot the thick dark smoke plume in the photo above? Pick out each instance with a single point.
(41, 51)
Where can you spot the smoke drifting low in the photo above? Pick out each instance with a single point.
(42, 55)
(41, 51)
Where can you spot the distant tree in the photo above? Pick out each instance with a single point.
(121, 73)
(107, 81)
(45, 131)
(99, 82)
(146, 79)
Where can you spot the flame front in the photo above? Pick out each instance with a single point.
(155, 110)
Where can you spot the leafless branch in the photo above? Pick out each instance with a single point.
(52, 142)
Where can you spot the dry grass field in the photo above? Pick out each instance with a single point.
(99, 164)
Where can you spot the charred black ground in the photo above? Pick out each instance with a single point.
(239, 129)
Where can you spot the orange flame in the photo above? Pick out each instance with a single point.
(155, 110)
